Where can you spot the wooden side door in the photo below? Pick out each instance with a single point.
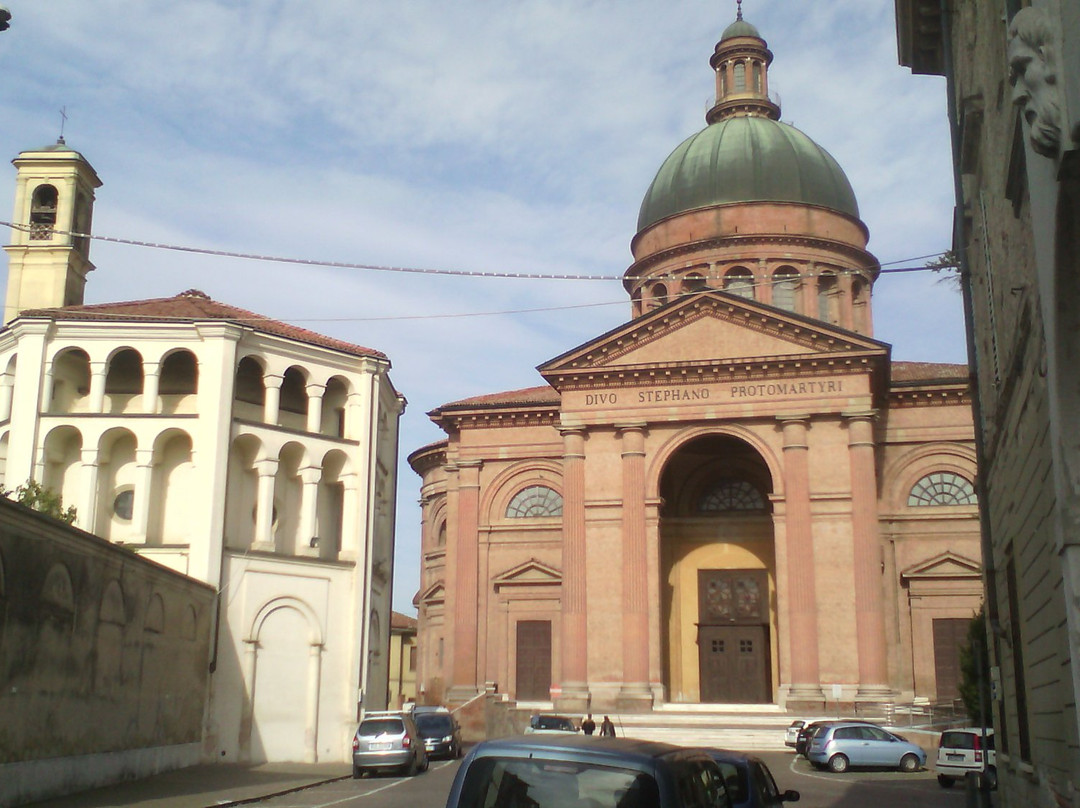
(533, 660)
(950, 635)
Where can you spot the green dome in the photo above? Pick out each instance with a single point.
(739, 28)
(746, 159)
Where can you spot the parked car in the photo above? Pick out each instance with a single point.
(806, 734)
(749, 782)
(439, 730)
(791, 735)
(544, 723)
(388, 740)
(965, 750)
(843, 745)
(586, 771)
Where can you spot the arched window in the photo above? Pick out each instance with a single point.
(440, 536)
(125, 374)
(731, 495)
(757, 77)
(179, 374)
(694, 282)
(740, 77)
(827, 291)
(43, 212)
(942, 488)
(659, 295)
(740, 281)
(535, 501)
(785, 283)
(250, 387)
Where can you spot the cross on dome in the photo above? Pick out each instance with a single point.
(738, 15)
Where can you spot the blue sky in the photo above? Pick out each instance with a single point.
(509, 137)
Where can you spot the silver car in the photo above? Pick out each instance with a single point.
(846, 744)
(388, 741)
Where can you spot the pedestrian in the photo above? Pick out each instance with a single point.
(607, 729)
(588, 726)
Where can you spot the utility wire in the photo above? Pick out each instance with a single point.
(382, 268)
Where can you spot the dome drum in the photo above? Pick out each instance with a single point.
(747, 221)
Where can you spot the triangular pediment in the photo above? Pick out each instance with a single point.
(531, 573)
(711, 329)
(945, 565)
(434, 595)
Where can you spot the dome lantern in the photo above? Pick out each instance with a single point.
(741, 63)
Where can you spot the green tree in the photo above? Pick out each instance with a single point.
(34, 495)
(975, 669)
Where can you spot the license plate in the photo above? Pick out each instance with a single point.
(952, 756)
(379, 747)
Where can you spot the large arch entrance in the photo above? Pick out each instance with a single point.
(718, 573)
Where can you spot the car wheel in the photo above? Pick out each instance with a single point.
(838, 764)
(991, 778)
(411, 767)
(945, 782)
(909, 763)
(357, 772)
(426, 763)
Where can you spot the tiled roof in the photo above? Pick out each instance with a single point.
(194, 305)
(544, 394)
(928, 371)
(402, 621)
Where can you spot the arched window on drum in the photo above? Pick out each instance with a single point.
(536, 501)
(940, 489)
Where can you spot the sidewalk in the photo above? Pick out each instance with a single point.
(206, 786)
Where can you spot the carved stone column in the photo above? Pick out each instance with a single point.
(314, 407)
(869, 609)
(466, 587)
(97, 386)
(86, 513)
(264, 508)
(802, 590)
(636, 694)
(151, 385)
(575, 661)
(314, 683)
(309, 508)
(144, 494)
(272, 401)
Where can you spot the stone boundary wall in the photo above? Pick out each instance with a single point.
(103, 660)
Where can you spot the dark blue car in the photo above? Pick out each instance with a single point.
(583, 771)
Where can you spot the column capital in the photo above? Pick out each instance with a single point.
(315, 390)
(860, 415)
(267, 467)
(273, 380)
(631, 426)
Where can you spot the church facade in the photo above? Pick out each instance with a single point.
(734, 497)
(251, 455)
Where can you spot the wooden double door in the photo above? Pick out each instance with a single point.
(733, 636)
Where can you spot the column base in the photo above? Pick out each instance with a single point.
(460, 694)
(574, 698)
(634, 698)
(805, 697)
(882, 693)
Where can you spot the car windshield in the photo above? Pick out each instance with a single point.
(434, 724)
(514, 783)
(380, 726)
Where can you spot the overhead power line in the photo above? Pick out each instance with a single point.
(465, 273)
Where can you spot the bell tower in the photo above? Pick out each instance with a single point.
(49, 254)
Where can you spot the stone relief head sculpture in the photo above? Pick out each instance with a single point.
(1033, 74)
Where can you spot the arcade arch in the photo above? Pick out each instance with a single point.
(718, 572)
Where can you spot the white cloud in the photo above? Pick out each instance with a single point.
(470, 135)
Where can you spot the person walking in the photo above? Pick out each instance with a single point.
(607, 729)
(588, 726)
